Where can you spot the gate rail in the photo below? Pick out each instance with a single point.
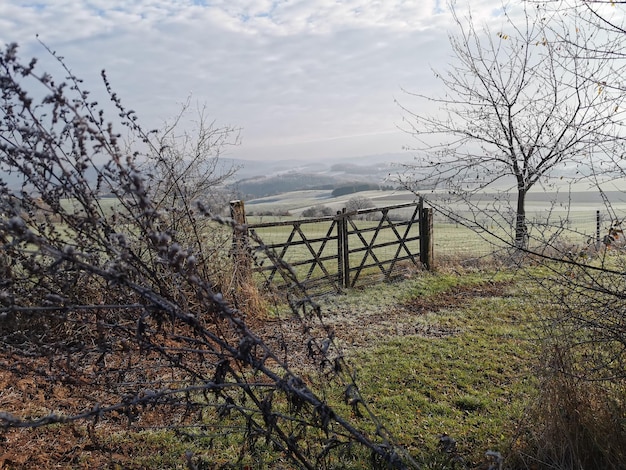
(352, 244)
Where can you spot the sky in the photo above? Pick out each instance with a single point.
(302, 79)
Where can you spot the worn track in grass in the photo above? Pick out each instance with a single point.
(363, 324)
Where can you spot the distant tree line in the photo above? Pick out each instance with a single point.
(318, 210)
(358, 187)
(261, 187)
(252, 188)
(353, 204)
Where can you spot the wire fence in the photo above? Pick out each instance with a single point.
(467, 236)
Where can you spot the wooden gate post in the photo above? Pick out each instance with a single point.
(343, 255)
(240, 252)
(427, 257)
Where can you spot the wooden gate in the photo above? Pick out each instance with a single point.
(351, 248)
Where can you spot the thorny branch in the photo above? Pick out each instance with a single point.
(114, 284)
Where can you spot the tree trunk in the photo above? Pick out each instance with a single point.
(521, 230)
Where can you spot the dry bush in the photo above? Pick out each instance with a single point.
(574, 423)
(578, 421)
(126, 316)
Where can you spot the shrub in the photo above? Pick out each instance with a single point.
(116, 312)
(575, 422)
(317, 210)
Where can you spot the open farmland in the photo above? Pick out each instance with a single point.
(572, 218)
(539, 204)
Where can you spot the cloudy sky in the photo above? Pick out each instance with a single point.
(301, 78)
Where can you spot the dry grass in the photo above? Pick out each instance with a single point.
(575, 423)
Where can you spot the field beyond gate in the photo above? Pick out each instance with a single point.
(328, 254)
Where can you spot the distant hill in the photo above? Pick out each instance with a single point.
(267, 178)
(261, 186)
(292, 173)
(380, 164)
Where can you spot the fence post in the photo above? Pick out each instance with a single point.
(598, 226)
(240, 252)
(340, 235)
(426, 236)
(344, 248)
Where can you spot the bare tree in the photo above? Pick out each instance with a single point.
(183, 167)
(183, 160)
(596, 33)
(356, 203)
(595, 29)
(317, 210)
(515, 111)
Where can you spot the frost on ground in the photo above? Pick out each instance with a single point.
(364, 318)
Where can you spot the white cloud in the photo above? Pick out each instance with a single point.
(288, 72)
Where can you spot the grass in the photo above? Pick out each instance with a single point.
(471, 382)
(440, 354)
(464, 368)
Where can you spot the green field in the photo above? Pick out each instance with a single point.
(568, 227)
(569, 218)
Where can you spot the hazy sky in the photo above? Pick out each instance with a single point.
(301, 78)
